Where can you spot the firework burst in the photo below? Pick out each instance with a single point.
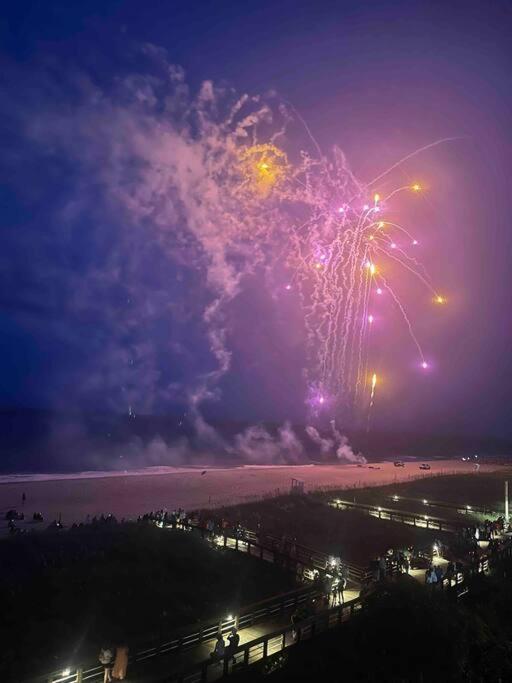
(225, 190)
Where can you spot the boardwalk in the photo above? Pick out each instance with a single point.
(159, 668)
(261, 633)
(425, 521)
(169, 660)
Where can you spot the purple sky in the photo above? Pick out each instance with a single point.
(377, 79)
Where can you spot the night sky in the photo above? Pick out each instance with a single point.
(94, 317)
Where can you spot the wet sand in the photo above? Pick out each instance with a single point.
(130, 495)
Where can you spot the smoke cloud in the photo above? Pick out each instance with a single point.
(166, 201)
(337, 445)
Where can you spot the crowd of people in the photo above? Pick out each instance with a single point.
(176, 518)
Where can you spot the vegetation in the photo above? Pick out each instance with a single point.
(351, 535)
(65, 593)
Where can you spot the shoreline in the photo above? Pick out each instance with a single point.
(161, 470)
(129, 495)
(157, 470)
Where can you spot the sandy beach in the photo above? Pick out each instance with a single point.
(130, 495)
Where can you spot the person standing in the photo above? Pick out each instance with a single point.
(233, 643)
(342, 584)
(106, 659)
(23, 498)
(120, 664)
(382, 568)
(220, 648)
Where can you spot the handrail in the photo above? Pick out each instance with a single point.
(304, 629)
(184, 639)
(416, 519)
(307, 628)
(320, 559)
(464, 509)
(95, 673)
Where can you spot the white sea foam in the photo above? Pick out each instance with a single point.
(145, 471)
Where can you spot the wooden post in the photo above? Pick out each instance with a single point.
(79, 675)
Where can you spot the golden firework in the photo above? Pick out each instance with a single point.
(263, 168)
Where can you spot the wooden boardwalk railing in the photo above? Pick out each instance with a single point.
(188, 639)
(303, 560)
(255, 650)
(460, 508)
(250, 615)
(425, 521)
(272, 643)
(264, 647)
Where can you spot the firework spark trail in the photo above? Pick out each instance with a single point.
(411, 155)
(222, 195)
(372, 397)
(406, 319)
(333, 256)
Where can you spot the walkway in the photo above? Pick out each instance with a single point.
(162, 667)
(412, 518)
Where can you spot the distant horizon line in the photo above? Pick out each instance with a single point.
(360, 431)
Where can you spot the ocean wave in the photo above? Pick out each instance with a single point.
(22, 477)
(96, 474)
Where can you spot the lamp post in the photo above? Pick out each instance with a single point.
(507, 519)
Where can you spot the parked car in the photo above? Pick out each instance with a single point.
(424, 466)
(399, 463)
